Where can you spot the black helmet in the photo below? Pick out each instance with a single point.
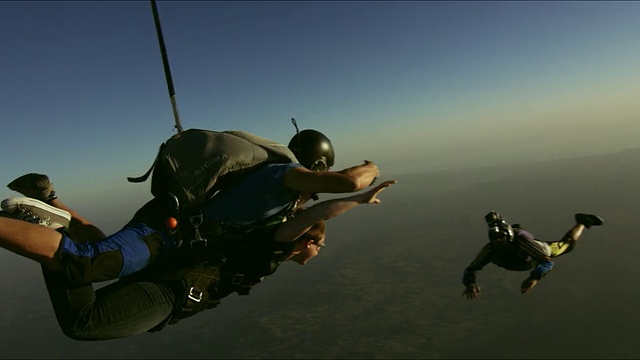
(492, 217)
(501, 231)
(313, 150)
(498, 228)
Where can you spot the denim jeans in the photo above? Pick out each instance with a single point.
(117, 310)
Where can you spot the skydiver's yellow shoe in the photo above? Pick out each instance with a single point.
(36, 186)
(36, 212)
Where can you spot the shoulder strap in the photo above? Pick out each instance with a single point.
(146, 175)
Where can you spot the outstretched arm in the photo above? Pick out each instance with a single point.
(472, 290)
(348, 180)
(298, 225)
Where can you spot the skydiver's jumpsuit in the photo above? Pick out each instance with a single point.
(522, 254)
(258, 196)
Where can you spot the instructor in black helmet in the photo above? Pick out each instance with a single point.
(280, 187)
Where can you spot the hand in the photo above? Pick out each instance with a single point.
(527, 285)
(370, 197)
(471, 292)
(373, 166)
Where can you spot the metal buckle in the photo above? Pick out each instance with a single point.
(174, 202)
(196, 221)
(193, 296)
(237, 279)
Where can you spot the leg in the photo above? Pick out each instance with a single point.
(569, 240)
(32, 241)
(96, 257)
(39, 186)
(80, 229)
(117, 310)
(127, 251)
(124, 252)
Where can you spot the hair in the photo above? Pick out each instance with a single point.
(315, 233)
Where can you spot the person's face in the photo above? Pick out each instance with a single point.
(309, 252)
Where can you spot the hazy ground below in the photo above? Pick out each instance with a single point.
(388, 283)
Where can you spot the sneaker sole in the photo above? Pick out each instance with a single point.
(43, 210)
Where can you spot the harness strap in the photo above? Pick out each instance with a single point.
(200, 281)
(146, 175)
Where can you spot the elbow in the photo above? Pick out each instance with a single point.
(354, 184)
(75, 334)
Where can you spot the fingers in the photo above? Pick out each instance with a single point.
(471, 292)
(385, 184)
(376, 190)
(470, 296)
(382, 186)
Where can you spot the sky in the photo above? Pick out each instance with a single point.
(412, 86)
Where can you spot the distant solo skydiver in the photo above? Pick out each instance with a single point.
(259, 196)
(180, 286)
(514, 248)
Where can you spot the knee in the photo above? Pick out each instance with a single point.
(80, 333)
(74, 332)
(74, 335)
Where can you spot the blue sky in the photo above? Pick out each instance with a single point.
(412, 86)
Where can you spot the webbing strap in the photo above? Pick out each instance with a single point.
(146, 175)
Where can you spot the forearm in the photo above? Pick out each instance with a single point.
(296, 226)
(362, 176)
(348, 180)
(481, 260)
(541, 270)
(331, 208)
(469, 277)
(301, 179)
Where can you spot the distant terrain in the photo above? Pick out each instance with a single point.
(388, 284)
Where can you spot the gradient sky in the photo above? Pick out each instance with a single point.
(412, 86)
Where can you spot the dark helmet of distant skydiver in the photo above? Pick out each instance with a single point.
(499, 230)
(313, 150)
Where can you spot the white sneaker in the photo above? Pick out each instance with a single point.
(37, 212)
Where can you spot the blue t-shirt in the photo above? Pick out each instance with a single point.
(256, 197)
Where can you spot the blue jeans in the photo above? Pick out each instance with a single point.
(117, 310)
